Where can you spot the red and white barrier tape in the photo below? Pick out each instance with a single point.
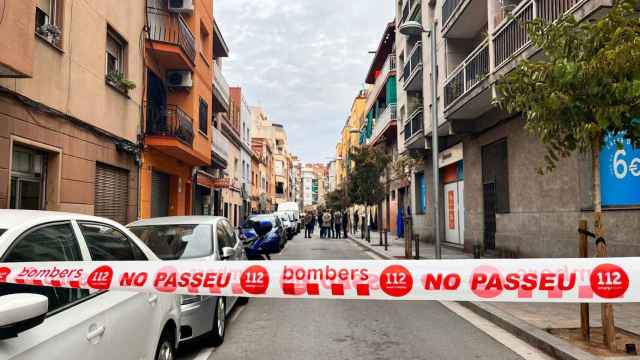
(523, 280)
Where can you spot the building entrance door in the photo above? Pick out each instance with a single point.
(454, 212)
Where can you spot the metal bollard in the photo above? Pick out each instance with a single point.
(380, 231)
(416, 239)
(386, 245)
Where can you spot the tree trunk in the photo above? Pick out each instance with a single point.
(608, 325)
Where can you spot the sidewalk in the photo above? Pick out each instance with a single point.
(542, 316)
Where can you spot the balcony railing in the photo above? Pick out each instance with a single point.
(388, 66)
(413, 62)
(388, 115)
(170, 121)
(407, 9)
(220, 144)
(171, 28)
(511, 36)
(220, 82)
(413, 125)
(448, 8)
(470, 72)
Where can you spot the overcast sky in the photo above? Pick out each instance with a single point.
(303, 61)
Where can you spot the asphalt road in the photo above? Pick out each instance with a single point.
(346, 329)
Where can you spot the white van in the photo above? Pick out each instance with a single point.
(292, 208)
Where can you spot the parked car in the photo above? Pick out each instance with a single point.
(287, 224)
(65, 323)
(258, 237)
(195, 237)
(275, 235)
(292, 208)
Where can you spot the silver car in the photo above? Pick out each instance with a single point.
(209, 238)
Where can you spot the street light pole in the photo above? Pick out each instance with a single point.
(415, 28)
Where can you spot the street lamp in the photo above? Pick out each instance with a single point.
(414, 28)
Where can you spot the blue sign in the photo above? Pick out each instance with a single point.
(619, 172)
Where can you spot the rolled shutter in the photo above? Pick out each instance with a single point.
(111, 193)
(159, 194)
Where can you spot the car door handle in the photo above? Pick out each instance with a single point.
(96, 333)
(153, 299)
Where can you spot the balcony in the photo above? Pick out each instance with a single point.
(220, 148)
(385, 122)
(170, 130)
(413, 130)
(412, 72)
(510, 38)
(220, 90)
(170, 39)
(463, 19)
(388, 69)
(409, 9)
(467, 75)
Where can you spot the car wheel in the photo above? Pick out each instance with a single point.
(165, 350)
(216, 338)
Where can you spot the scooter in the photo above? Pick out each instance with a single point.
(259, 241)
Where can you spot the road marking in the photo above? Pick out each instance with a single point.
(520, 347)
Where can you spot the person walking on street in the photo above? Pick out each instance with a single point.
(308, 227)
(345, 223)
(356, 219)
(319, 222)
(337, 220)
(332, 227)
(326, 224)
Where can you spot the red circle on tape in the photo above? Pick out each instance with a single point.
(609, 281)
(491, 286)
(100, 278)
(4, 273)
(396, 281)
(255, 280)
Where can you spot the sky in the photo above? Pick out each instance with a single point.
(303, 61)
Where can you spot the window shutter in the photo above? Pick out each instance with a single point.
(112, 193)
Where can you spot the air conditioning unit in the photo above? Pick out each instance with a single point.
(181, 6)
(179, 79)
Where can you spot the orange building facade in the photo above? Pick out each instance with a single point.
(177, 106)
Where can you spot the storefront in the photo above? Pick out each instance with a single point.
(452, 174)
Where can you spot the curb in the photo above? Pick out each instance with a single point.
(540, 339)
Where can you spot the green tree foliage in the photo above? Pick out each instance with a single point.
(365, 186)
(587, 85)
(337, 199)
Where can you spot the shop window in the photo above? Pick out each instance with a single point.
(495, 172)
(28, 179)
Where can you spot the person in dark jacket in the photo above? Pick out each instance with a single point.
(345, 223)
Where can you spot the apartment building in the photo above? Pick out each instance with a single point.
(71, 93)
(262, 149)
(245, 149)
(178, 53)
(380, 126)
(314, 185)
(492, 196)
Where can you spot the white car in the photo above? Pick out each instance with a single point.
(206, 238)
(78, 323)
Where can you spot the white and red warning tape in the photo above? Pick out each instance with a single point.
(523, 280)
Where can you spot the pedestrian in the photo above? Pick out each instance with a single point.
(337, 220)
(326, 224)
(308, 227)
(356, 219)
(345, 223)
(332, 227)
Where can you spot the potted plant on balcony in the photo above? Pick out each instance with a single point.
(50, 32)
(117, 79)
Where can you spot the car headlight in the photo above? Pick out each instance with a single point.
(189, 299)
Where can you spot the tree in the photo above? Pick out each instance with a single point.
(337, 199)
(588, 86)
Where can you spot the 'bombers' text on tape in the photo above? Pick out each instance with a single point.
(523, 280)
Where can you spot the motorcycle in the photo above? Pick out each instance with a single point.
(259, 240)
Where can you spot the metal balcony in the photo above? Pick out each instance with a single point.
(169, 122)
(412, 72)
(511, 37)
(388, 69)
(385, 121)
(413, 126)
(172, 40)
(448, 8)
(220, 90)
(470, 72)
(409, 9)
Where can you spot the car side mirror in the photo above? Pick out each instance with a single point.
(228, 252)
(21, 312)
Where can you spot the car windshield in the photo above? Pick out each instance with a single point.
(173, 242)
(256, 219)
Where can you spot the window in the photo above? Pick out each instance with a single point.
(279, 167)
(495, 172)
(225, 238)
(28, 179)
(173, 242)
(279, 188)
(205, 44)
(49, 21)
(421, 194)
(108, 244)
(55, 242)
(203, 116)
(115, 59)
